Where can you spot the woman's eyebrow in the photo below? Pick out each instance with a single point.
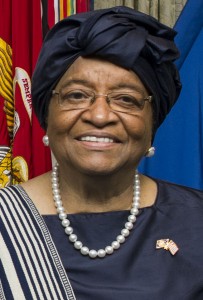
(76, 81)
(87, 83)
(131, 86)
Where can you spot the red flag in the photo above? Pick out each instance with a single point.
(22, 151)
(22, 29)
(6, 95)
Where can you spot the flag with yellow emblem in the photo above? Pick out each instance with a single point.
(23, 25)
(6, 95)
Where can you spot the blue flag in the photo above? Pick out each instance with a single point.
(179, 140)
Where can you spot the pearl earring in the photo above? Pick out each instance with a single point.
(150, 152)
(45, 140)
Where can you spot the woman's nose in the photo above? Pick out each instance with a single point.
(100, 113)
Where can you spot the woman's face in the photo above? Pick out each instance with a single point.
(98, 140)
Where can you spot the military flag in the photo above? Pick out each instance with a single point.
(23, 25)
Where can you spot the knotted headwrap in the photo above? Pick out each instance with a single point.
(121, 35)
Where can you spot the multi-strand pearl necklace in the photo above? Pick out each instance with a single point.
(120, 239)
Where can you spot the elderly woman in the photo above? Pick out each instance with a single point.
(94, 228)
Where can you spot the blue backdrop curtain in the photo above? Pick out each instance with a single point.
(179, 140)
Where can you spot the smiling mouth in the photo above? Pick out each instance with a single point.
(97, 139)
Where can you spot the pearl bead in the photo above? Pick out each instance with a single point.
(93, 253)
(137, 193)
(45, 140)
(129, 225)
(132, 218)
(55, 191)
(101, 253)
(55, 168)
(115, 244)
(109, 249)
(134, 211)
(68, 230)
(60, 209)
(54, 179)
(78, 245)
(84, 250)
(73, 238)
(137, 189)
(136, 199)
(125, 232)
(58, 203)
(65, 222)
(120, 239)
(62, 216)
(55, 185)
(57, 198)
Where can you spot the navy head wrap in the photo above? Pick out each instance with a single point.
(121, 35)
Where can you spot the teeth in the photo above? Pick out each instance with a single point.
(96, 139)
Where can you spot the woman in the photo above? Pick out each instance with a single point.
(94, 228)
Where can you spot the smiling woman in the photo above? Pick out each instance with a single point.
(94, 228)
(128, 128)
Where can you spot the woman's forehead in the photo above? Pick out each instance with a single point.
(94, 71)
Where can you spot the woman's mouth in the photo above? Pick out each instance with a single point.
(97, 139)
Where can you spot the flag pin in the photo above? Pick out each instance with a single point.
(167, 244)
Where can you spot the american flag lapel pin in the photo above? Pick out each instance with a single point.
(167, 244)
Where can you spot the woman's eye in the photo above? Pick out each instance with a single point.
(127, 99)
(74, 95)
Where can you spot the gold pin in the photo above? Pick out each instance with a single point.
(167, 244)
